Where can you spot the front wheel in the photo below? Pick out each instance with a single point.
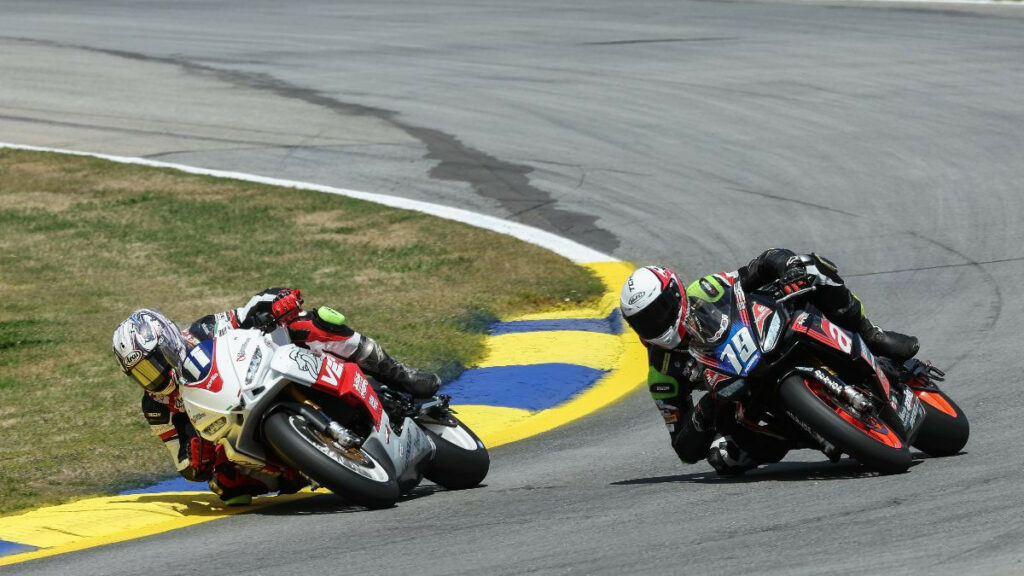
(351, 473)
(866, 438)
(945, 428)
(460, 460)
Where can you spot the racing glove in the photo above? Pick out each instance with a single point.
(286, 306)
(796, 279)
(270, 307)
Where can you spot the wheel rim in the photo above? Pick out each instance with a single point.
(353, 459)
(867, 425)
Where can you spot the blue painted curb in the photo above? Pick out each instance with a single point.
(7, 548)
(533, 387)
(611, 324)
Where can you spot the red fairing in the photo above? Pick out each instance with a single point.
(761, 313)
(346, 380)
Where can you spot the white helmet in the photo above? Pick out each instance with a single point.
(149, 348)
(653, 302)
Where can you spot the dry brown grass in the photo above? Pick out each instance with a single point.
(84, 242)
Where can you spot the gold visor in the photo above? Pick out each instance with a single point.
(149, 375)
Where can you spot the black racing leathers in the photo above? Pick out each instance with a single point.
(673, 374)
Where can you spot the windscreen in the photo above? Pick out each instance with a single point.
(708, 322)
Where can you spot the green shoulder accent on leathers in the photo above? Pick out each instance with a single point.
(330, 315)
(861, 304)
(708, 288)
(661, 386)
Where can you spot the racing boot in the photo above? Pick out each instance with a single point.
(728, 459)
(899, 347)
(850, 315)
(377, 363)
(234, 487)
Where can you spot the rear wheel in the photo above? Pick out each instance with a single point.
(866, 438)
(351, 473)
(461, 460)
(945, 428)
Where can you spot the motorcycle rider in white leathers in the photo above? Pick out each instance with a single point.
(151, 349)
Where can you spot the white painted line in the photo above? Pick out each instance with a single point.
(574, 251)
(990, 2)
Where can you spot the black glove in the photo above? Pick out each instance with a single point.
(796, 278)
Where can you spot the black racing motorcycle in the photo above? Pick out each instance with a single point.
(791, 373)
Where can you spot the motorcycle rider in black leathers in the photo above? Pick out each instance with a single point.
(654, 303)
(150, 349)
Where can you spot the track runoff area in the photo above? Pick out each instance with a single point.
(539, 372)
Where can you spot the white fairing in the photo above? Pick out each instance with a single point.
(248, 371)
(456, 435)
(241, 377)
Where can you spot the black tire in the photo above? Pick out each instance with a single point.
(941, 434)
(872, 443)
(298, 444)
(460, 461)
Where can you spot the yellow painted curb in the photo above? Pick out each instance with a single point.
(628, 372)
(109, 519)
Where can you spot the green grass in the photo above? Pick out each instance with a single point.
(83, 242)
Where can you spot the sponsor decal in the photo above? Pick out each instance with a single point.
(761, 313)
(730, 390)
(829, 381)
(636, 297)
(305, 360)
(330, 373)
(215, 426)
(132, 358)
(708, 287)
(814, 435)
(240, 357)
(359, 384)
(713, 378)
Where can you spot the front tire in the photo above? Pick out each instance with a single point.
(352, 473)
(945, 429)
(460, 460)
(867, 439)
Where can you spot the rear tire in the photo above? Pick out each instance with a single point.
(868, 440)
(941, 434)
(353, 474)
(460, 461)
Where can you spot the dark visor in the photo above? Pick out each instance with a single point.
(659, 315)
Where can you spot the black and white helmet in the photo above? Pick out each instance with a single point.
(653, 303)
(149, 348)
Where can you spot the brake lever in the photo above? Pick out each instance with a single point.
(811, 288)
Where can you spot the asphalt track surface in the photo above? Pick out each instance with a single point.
(689, 133)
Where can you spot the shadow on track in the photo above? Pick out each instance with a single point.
(845, 469)
(327, 503)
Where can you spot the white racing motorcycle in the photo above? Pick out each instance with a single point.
(273, 404)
